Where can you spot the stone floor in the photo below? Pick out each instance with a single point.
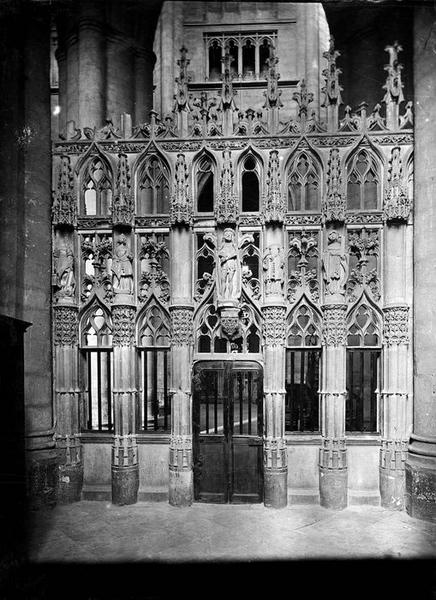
(100, 532)
(159, 549)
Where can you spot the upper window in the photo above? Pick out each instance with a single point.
(363, 182)
(96, 189)
(249, 52)
(153, 187)
(250, 184)
(205, 185)
(304, 184)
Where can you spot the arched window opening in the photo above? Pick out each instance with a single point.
(154, 407)
(250, 186)
(96, 339)
(248, 60)
(233, 51)
(303, 357)
(97, 190)
(363, 182)
(214, 61)
(304, 185)
(264, 51)
(205, 185)
(363, 369)
(154, 188)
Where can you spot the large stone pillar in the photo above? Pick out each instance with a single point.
(125, 467)
(394, 408)
(92, 64)
(274, 322)
(333, 478)
(35, 276)
(181, 491)
(421, 459)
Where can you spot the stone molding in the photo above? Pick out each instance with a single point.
(333, 454)
(124, 451)
(275, 456)
(180, 453)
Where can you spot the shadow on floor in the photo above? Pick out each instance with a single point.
(339, 579)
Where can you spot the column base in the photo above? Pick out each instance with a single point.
(70, 483)
(181, 488)
(125, 485)
(392, 483)
(275, 488)
(420, 496)
(333, 488)
(42, 477)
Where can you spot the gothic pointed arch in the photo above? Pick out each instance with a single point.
(303, 324)
(95, 324)
(363, 168)
(204, 169)
(152, 175)
(303, 178)
(153, 325)
(364, 323)
(96, 178)
(250, 170)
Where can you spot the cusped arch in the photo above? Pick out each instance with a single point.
(250, 170)
(153, 325)
(303, 324)
(95, 172)
(205, 180)
(152, 176)
(304, 179)
(364, 323)
(95, 325)
(364, 176)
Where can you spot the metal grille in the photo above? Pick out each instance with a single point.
(99, 390)
(302, 383)
(362, 380)
(154, 408)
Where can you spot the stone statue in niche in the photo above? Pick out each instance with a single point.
(273, 265)
(64, 278)
(229, 270)
(335, 268)
(122, 271)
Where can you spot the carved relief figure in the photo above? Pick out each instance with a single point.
(273, 264)
(64, 271)
(335, 266)
(229, 271)
(122, 272)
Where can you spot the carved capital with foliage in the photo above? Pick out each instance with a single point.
(65, 325)
(182, 325)
(123, 325)
(274, 325)
(334, 329)
(396, 325)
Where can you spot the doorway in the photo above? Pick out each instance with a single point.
(228, 429)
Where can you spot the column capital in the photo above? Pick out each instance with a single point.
(396, 325)
(65, 324)
(123, 324)
(334, 324)
(274, 330)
